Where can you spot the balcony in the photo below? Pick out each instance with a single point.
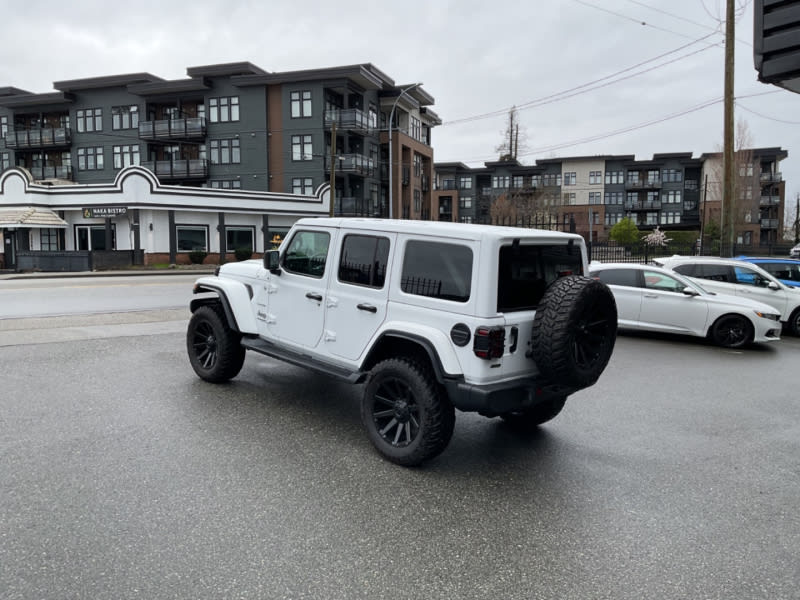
(348, 206)
(771, 177)
(44, 137)
(193, 128)
(195, 168)
(642, 184)
(351, 119)
(770, 200)
(769, 223)
(689, 205)
(352, 163)
(42, 173)
(644, 205)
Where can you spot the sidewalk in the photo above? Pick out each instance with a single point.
(178, 270)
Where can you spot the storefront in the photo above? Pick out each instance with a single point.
(139, 221)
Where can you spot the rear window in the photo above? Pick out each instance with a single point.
(525, 272)
(437, 270)
(626, 277)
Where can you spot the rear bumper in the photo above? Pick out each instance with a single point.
(499, 398)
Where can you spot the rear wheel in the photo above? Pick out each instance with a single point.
(536, 415)
(215, 350)
(407, 414)
(732, 331)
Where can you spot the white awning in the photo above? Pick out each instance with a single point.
(31, 217)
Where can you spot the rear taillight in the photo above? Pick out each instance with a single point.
(489, 342)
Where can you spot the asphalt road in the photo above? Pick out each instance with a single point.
(125, 476)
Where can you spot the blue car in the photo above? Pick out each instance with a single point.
(787, 270)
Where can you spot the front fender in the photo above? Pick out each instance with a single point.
(235, 297)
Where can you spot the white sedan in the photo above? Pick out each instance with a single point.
(651, 298)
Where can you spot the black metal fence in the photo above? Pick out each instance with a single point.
(642, 252)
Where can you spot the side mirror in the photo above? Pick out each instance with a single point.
(688, 291)
(773, 286)
(272, 261)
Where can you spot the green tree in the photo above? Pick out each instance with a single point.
(624, 232)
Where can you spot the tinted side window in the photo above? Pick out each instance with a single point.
(307, 253)
(749, 277)
(364, 260)
(626, 277)
(438, 270)
(685, 270)
(525, 272)
(713, 272)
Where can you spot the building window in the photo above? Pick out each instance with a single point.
(569, 199)
(225, 152)
(301, 147)
(225, 184)
(746, 170)
(651, 218)
(516, 181)
(3, 126)
(417, 165)
(191, 238)
(673, 176)
(653, 176)
(614, 177)
(652, 196)
(500, 181)
(595, 198)
(223, 110)
(93, 237)
(301, 104)
(465, 182)
(570, 178)
(552, 179)
(612, 218)
(303, 185)
(670, 217)
(90, 119)
(465, 202)
(417, 201)
(124, 117)
(48, 239)
(671, 197)
(536, 181)
(239, 237)
(613, 198)
(125, 156)
(632, 197)
(5, 161)
(416, 129)
(595, 177)
(465, 218)
(90, 159)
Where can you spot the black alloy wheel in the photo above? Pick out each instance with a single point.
(732, 331)
(215, 350)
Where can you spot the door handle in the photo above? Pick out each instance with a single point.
(367, 307)
(314, 296)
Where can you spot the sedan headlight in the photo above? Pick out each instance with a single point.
(770, 316)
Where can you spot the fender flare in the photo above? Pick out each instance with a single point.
(445, 364)
(230, 294)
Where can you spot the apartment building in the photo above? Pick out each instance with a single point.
(229, 126)
(589, 195)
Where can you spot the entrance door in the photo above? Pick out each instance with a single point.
(10, 248)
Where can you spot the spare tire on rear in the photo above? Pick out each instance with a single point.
(574, 331)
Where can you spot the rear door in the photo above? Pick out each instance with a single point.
(626, 286)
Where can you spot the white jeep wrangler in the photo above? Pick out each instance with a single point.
(431, 316)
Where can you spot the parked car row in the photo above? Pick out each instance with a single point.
(733, 302)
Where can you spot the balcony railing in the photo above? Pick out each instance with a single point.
(768, 177)
(644, 205)
(173, 129)
(352, 163)
(769, 223)
(353, 119)
(44, 137)
(61, 172)
(642, 184)
(348, 206)
(195, 168)
(770, 200)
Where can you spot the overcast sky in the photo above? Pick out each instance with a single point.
(589, 77)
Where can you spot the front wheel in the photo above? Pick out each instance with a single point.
(732, 331)
(536, 415)
(794, 322)
(407, 414)
(215, 350)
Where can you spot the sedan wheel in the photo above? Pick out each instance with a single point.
(732, 331)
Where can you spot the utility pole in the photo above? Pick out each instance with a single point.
(729, 183)
(333, 166)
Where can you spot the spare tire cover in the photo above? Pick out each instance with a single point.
(574, 331)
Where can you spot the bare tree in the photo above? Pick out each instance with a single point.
(514, 139)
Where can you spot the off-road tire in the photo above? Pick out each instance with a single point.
(731, 331)
(406, 413)
(532, 417)
(574, 331)
(215, 350)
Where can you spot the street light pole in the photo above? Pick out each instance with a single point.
(391, 121)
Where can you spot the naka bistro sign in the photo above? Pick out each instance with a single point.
(104, 212)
